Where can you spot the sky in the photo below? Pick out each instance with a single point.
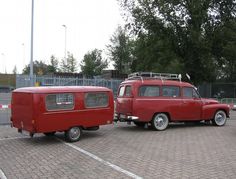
(89, 25)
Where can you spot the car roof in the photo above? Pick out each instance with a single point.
(157, 82)
(61, 89)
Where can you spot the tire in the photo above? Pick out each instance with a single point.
(160, 122)
(49, 134)
(139, 124)
(73, 134)
(219, 118)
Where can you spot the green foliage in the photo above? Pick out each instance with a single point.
(69, 64)
(194, 37)
(40, 68)
(53, 66)
(92, 64)
(120, 50)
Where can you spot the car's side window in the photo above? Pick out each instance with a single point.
(60, 101)
(170, 91)
(121, 91)
(187, 92)
(151, 91)
(128, 91)
(98, 99)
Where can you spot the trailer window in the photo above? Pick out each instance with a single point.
(96, 100)
(60, 101)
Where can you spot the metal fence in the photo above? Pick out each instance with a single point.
(25, 81)
(218, 90)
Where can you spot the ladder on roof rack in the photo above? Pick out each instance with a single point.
(148, 75)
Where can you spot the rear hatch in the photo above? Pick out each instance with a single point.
(124, 102)
(22, 113)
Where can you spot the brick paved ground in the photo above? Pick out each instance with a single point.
(182, 151)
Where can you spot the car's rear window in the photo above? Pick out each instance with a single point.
(128, 91)
(170, 91)
(151, 91)
(93, 99)
(61, 101)
(121, 91)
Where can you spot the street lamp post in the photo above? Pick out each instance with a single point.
(65, 39)
(32, 44)
(4, 65)
(23, 54)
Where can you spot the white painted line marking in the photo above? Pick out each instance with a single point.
(115, 167)
(12, 138)
(2, 175)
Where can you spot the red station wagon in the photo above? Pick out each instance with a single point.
(69, 109)
(153, 98)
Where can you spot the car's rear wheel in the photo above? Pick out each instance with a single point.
(219, 118)
(73, 134)
(160, 121)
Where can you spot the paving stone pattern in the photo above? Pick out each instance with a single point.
(181, 151)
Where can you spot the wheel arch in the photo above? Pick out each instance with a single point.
(221, 109)
(167, 113)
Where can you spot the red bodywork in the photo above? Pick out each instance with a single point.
(140, 108)
(29, 110)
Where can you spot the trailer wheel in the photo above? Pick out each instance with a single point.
(73, 134)
(49, 134)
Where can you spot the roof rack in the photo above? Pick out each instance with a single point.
(151, 75)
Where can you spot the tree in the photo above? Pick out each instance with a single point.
(69, 64)
(119, 49)
(40, 68)
(14, 70)
(92, 64)
(185, 32)
(53, 66)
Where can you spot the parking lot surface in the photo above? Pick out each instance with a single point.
(123, 151)
(5, 111)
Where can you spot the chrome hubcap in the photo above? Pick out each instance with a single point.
(74, 133)
(220, 118)
(161, 122)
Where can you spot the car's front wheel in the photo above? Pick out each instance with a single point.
(73, 134)
(219, 118)
(160, 121)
